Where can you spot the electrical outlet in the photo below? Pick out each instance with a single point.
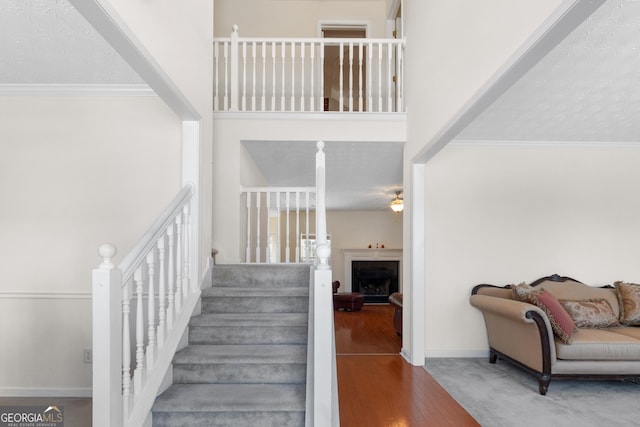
(87, 355)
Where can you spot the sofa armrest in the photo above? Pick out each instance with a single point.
(518, 330)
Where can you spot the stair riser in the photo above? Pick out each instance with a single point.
(255, 305)
(226, 419)
(247, 335)
(266, 275)
(240, 373)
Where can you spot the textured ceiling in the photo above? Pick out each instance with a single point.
(359, 175)
(49, 42)
(586, 90)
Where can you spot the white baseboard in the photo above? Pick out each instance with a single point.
(439, 354)
(45, 392)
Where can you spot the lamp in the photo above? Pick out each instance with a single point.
(397, 204)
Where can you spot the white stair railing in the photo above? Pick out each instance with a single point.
(322, 379)
(278, 224)
(133, 341)
(288, 74)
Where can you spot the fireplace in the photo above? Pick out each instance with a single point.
(375, 279)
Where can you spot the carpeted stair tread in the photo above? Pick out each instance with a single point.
(256, 291)
(242, 354)
(232, 275)
(206, 398)
(250, 319)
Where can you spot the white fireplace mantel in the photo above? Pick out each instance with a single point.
(370, 255)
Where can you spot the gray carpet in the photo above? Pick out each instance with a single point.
(502, 395)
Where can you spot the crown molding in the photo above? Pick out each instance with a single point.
(545, 144)
(75, 90)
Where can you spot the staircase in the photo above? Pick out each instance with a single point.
(245, 364)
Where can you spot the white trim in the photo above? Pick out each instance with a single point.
(545, 144)
(343, 25)
(413, 323)
(45, 392)
(75, 90)
(344, 116)
(370, 255)
(112, 28)
(441, 354)
(45, 295)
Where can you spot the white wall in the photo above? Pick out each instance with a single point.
(177, 35)
(295, 18)
(358, 230)
(454, 47)
(500, 215)
(75, 172)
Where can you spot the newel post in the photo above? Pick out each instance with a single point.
(235, 77)
(107, 340)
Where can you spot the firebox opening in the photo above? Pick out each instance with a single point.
(375, 279)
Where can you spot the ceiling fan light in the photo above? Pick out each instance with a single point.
(397, 204)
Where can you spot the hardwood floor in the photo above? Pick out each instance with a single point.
(377, 387)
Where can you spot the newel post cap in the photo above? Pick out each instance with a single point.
(107, 251)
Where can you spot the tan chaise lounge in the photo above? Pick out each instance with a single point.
(598, 340)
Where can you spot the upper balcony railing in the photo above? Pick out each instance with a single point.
(308, 74)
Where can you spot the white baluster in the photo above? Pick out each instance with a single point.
(162, 284)
(258, 240)
(302, 54)
(341, 101)
(138, 373)
(171, 275)
(287, 246)
(279, 243)
(273, 76)
(126, 350)
(351, 77)
(151, 313)
(282, 60)
(369, 81)
(380, 77)
(234, 70)
(399, 79)
(186, 270)
(226, 76)
(248, 248)
(312, 73)
(263, 100)
(389, 78)
(307, 248)
(268, 193)
(360, 53)
(216, 98)
(179, 255)
(321, 78)
(244, 76)
(292, 107)
(297, 226)
(254, 60)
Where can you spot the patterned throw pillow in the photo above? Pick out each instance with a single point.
(561, 323)
(523, 292)
(591, 313)
(629, 299)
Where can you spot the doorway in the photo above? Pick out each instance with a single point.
(348, 67)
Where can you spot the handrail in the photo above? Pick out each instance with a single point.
(129, 333)
(151, 236)
(285, 74)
